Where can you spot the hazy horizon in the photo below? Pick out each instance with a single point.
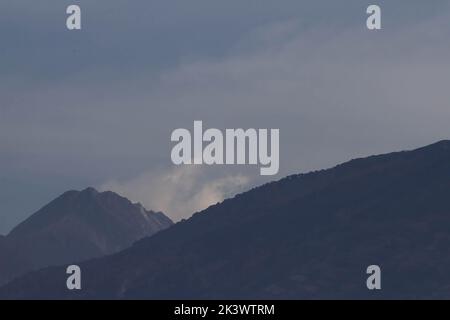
(104, 189)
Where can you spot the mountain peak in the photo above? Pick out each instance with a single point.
(89, 205)
(79, 225)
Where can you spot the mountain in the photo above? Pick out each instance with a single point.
(78, 225)
(12, 262)
(307, 236)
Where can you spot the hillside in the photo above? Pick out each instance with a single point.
(306, 236)
(76, 226)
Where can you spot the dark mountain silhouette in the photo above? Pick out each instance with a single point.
(306, 236)
(76, 226)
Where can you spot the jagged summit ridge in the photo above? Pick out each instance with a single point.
(80, 225)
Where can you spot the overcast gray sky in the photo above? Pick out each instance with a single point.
(96, 107)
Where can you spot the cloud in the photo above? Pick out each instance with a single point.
(334, 94)
(179, 191)
(83, 108)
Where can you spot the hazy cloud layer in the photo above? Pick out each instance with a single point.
(179, 191)
(97, 107)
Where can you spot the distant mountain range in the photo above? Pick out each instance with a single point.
(74, 227)
(307, 236)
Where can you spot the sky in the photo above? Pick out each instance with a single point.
(96, 107)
